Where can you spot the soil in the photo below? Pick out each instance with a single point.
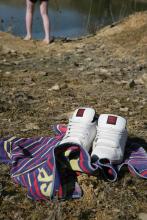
(41, 85)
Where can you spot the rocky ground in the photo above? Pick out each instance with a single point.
(40, 85)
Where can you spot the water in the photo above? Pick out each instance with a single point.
(69, 18)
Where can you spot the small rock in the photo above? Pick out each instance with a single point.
(142, 80)
(130, 113)
(104, 74)
(116, 101)
(44, 73)
(103, 71)
(59, 54)
(80, 51)
(13, 51)
(8, 73)
(140, 67)
(79, 46)
(102, 47)
(25, 70)
(76, 64)
(132, 83)
(16, 62)
(42, 59)
(89, 59)
(31, 126)
(122, 82)
(29, 81)
(142, 216)
(124, 109)
(64, 86)
(56, 87)
(96, 191)
(90, 73)
(82, 68)
(117, 210)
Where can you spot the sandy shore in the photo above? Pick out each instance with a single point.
(40, 85)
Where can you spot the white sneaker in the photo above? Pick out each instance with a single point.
(81, 129)
(111, 138)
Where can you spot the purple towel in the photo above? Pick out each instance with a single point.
(48, 169)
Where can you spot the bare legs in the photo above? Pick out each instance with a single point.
(29, 19)
(45, 19)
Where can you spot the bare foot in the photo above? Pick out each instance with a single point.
(48, 41)
(28, 37)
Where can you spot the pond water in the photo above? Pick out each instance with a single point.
(69, 18)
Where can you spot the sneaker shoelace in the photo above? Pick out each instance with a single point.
(78, 130)
(106, 134)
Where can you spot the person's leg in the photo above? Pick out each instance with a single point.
(29, 18)
(45, 19)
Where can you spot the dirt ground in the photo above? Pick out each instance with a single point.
(40, 85)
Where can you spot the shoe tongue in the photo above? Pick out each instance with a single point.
(112, 121)
(83, 115)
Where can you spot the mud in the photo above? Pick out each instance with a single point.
(40, 85)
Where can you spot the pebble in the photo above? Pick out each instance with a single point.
(116, 210)
(103, 70)
(142, 80)
(89, 59)
(125, 109)
(132, 83)
(59, 54)
(82, 68)
(130, 113)
(42, 59)
(56, 87)
(140, 67)
(81, 45)
(25, 70)
(29, 80)
(102, 47)
(16, 62)
(80, 51)
(31, 126)
(13, 51)
(8, 73)
(142, 216)
(96, 191)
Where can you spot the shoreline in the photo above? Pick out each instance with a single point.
(41, 85)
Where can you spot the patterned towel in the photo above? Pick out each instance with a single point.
(50, 170)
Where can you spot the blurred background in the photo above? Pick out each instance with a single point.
(69, 18)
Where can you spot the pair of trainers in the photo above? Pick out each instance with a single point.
(106, 134)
